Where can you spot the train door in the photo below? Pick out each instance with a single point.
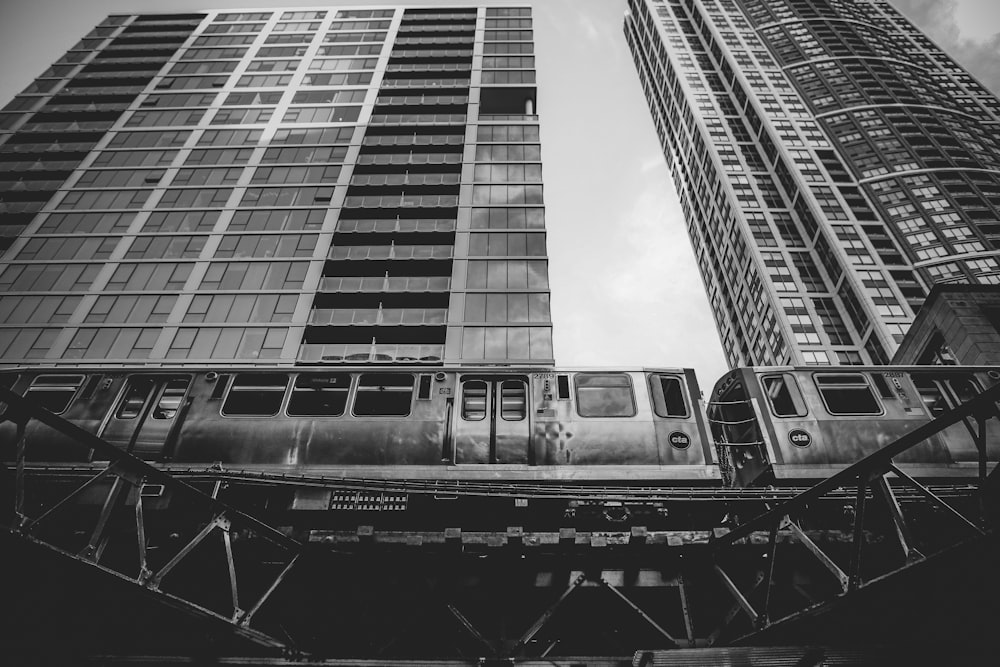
(146, 412)
(492, 420)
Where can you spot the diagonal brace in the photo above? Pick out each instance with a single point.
(927, 493)
(217, 522)
(646, 617)
(544, 618)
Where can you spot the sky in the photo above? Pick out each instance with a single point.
(625, 287)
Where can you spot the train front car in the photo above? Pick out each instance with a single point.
(803, 424)
(507, 424)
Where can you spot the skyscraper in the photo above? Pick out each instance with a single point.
(279, 186)
(832, 164)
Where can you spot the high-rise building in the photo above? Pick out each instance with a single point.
(832, 164)
(279, 186)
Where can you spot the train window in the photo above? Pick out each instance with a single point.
(783, 395)
(170, 399)
(604, 395)
(384, 395)
(135, 397)
(220, 387)
(54, 392)
(562, 385)
(320, 395)
(513, 400)
(7, 382)
(847, 394)
(931, 395)
(424, 390)
(255, 394)
(91, 387)
(884, 390)
(668, 396)
(473, 400)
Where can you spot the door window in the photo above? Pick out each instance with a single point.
(474, 400)
(513, 401)
(135, 397)
(783, 395)
(170, 399)
(668, 396)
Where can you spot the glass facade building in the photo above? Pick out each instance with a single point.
(832, 163)
(279, 186)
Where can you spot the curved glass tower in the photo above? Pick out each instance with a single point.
(832, 164)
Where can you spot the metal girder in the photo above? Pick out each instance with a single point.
(902, 529)
(642, 614)
(125, 471)
(876, 463)
(819, 554)
(938, 502)
(544, 618)
(869, 471)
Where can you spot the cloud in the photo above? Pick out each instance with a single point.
(939, 19)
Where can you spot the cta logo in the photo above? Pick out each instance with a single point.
(799, 438)
(679, 440)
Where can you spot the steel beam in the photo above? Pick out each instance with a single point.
(903, 534)
(737, 595)
(927, 493)
(642, 614)
(543, 619)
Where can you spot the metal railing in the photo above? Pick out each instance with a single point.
(375, 316)
(130, 476)
(870, 472)
(364, 252)
(385, 284)
(354, 352)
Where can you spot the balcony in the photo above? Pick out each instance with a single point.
(366, 159)
(374, 284)
(430, 53)
(363, 252)
(366, 353)
(402, 201)
(405, 179)
(415, 140)
(407, 100)
(419, 119)
(384, 226)
(426, 82)
(378, 316)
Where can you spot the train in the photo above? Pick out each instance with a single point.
(758, 426)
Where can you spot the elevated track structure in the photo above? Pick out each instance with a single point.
(121, 559)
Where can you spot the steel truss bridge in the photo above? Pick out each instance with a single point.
(124, 562)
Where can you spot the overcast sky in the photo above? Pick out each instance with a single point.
(625, 287)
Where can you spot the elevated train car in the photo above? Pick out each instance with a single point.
(798, 425)
(496, 423)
